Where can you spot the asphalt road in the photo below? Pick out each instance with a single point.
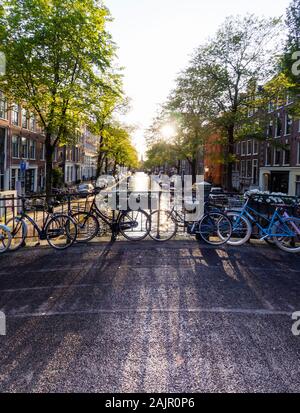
(174, 317)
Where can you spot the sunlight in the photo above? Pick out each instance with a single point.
(168, 131)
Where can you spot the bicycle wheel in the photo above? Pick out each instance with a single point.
(241, 229)
(61, 231)
(215, 228)
(18, 230)
(163, 226)
(134, 225)
(5, 238)
(287, 234)
(87, 226)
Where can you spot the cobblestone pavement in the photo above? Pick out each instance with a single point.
(126, 317)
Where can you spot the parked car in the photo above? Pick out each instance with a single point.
(217, 194)
(85, 189)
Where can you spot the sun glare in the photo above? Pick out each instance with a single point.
(168, 131)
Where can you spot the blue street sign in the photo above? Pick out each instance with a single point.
(23, 166)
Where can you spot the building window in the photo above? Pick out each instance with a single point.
(268, 156)
(298, 154)
(42, 180)
(69, 154)
(15, 177)
(24, 119)
(43, 149)
(238, 148)
(255, 147)
(288, 124)
(15, 147)
(278, 126)
(297, 185)
(32, 122)
(243, 169)
(249, 147)
(255, 172)
(3, 106)
(249, 169)
(277, 156)
(24, 148)
(32, 148)
(15, 114)
(270, 129)
(244, 148)
(287, 155)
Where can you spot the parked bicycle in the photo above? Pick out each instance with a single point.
(131, 224)
(59, 230)
(280, 228)
(5, 238)
(214, 227)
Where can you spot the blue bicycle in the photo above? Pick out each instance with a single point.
(281, 229)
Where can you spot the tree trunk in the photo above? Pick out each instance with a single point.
(49, 157)
(106, 165)
(99, 163)
(100, 157)
(194, 170)
(115, 168)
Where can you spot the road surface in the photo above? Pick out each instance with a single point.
(149, 317)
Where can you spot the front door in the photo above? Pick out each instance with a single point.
(280, 182)
(29, 180)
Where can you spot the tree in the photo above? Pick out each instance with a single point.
(106, 103)
(160, 154)
(190, 108)
(241, 54)
(56, 53)
(118, 148)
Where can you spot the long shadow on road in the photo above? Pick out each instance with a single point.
(177, 317)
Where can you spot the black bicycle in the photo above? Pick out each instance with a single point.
(133, 225)
(59, 230)
(213, 227)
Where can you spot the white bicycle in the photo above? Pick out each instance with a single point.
(5, 238)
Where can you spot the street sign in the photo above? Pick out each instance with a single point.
(23, 166)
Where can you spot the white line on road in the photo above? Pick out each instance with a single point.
(254, 312)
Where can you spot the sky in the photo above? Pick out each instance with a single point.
(156, 38)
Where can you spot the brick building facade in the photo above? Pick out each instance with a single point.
(22, 140)
(271, 163)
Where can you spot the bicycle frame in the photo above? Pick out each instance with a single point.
(267, 231)
(40, 230)
(112, 223)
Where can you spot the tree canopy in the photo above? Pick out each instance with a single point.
(57, 52)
